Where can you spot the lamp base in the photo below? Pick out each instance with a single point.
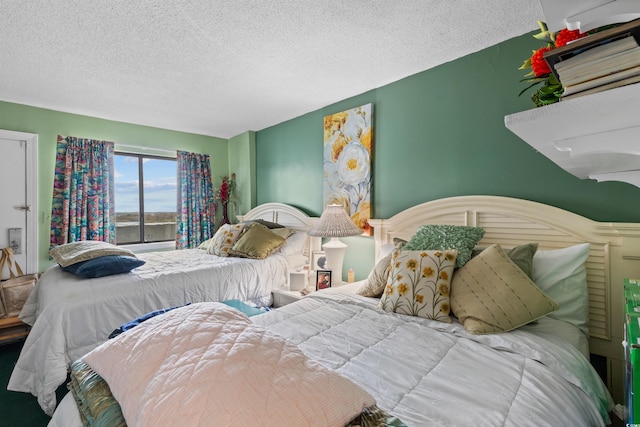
(334, 250)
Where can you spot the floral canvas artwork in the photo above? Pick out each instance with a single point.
(348, 144)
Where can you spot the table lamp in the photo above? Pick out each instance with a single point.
(334, 223)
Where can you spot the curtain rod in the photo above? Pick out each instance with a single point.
(138, 148)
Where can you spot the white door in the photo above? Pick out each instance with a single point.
(18, 198)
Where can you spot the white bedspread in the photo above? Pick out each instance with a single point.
(71, 316)
(429, 373)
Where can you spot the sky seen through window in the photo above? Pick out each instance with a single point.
(160, 184)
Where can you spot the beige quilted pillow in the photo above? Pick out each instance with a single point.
(75, 252)
(419, 283)
(224, 239)
(492, 294)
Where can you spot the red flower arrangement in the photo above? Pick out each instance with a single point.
(226, 188)
(224, 195)
(538, 64)
(551, 89)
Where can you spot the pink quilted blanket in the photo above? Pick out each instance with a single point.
(207, 364)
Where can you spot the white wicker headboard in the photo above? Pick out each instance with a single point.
(614, 253)
(289, 217)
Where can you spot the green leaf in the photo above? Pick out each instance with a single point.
(542, 25)
(526, 64)
(544, 33)
(537, 79)
(540, 99)
(553, 80)
(546, 90)
(528, 87)
(543, 36)
(549, 101)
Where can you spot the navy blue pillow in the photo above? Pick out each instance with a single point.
(104, 266)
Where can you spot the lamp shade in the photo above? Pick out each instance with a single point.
(334, 222)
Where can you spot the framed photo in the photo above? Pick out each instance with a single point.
(323, 279)
(318, 261)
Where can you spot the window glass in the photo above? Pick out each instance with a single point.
(145, 213)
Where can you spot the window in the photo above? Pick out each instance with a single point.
(145, 213)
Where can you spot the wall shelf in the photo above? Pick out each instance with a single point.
(594, 136)
(585, 15)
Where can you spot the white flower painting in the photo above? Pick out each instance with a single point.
(348, 143)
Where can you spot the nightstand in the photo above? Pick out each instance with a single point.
(298, 279)
(12, 328)
(283, 296)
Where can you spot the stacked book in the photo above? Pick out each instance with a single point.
(598, 62)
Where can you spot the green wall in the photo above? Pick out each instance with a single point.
(439, 133)
(242, 162)
(49, 124)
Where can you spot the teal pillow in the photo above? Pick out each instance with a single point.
(442, 237)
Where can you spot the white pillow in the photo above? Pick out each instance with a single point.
(296, 244)
(385, 250)
(562, 275)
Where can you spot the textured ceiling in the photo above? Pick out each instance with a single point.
(222, 68)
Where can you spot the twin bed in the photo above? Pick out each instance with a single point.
(418, 371)
(72, 315)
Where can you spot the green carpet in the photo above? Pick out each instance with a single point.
(19, 409)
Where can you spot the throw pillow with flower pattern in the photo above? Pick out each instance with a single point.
(224, 239)
(419, 283)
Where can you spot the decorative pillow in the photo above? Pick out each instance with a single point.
(104, 266)
(399, 243)
(257, 242)
(224, 239)
(443, 237)
(492, 294)
(268, 224)
(385, 250)
(296, 243)
(419, 283)
(377, 279)
(561, 274)
(521, 255)
(205, 245)
(283, 232)
(71, 253)
(375, 283)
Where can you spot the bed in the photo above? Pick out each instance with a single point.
(72, 315)
(428, 372)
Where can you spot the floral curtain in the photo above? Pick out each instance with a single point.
(196, 212)
(83, 191)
